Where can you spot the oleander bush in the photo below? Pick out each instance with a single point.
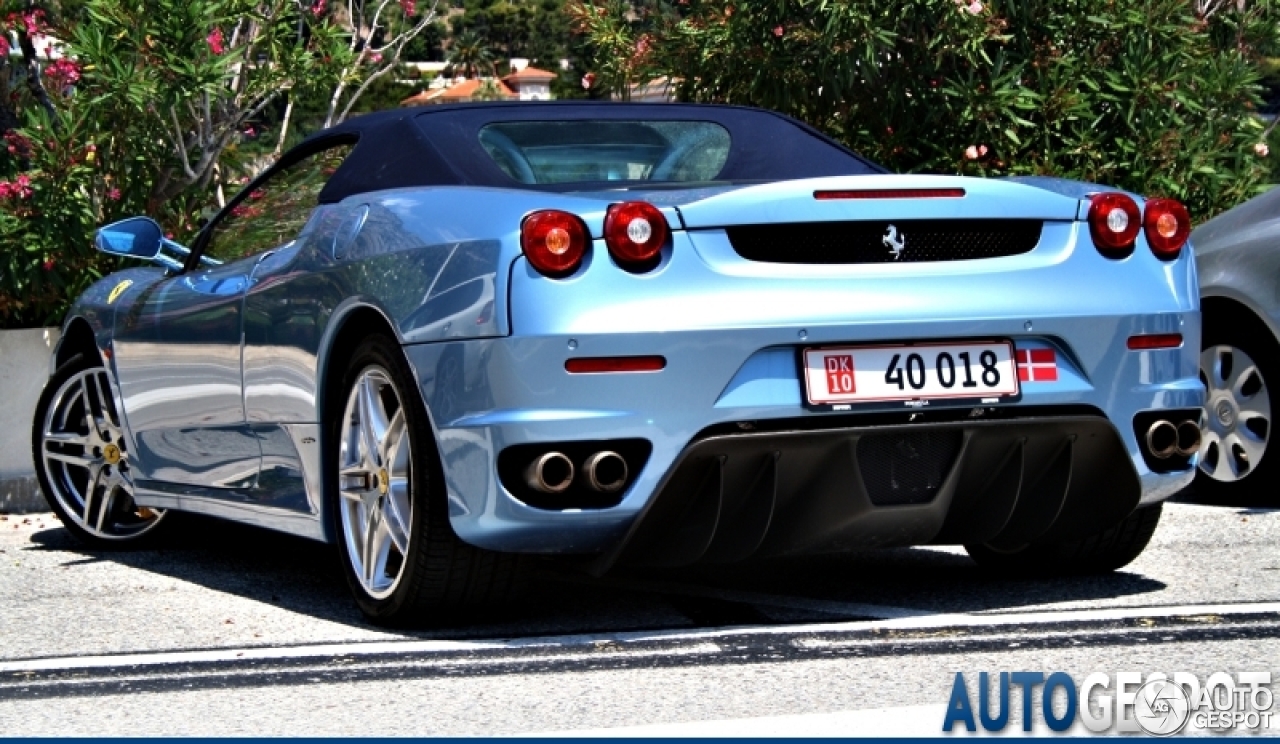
(1141, 94)
(156, 107)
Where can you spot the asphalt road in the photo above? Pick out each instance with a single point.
(229, 630)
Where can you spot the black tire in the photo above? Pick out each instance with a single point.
(440, 577)
(1256, 486)
(1103, 552)
(117, 522)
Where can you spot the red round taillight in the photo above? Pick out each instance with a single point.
(554, 241)
(635, 233)
(1114, 221)
(1168, 225)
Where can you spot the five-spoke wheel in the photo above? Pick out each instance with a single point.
(386, 491)
(375, 457)
(83, 461)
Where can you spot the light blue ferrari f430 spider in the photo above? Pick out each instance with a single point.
(446, 339)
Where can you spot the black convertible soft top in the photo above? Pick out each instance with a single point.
(440, 145)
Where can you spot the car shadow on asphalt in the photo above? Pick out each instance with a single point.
(304, 577)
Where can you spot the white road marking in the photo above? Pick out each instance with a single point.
(611, 641)
(700, 649)
(900, 721)
(242, 654)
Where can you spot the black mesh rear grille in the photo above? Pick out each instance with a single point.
(906, 467)
(874, 242)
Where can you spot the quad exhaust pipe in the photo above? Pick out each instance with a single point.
(606, 472)
(1164, 439)
(551, 472)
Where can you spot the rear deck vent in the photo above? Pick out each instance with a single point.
(882, 241)
(906, 467)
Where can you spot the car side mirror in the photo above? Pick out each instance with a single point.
(136, 237)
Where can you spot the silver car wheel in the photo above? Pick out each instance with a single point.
(87, 463)
(374, 465)
(1237, 420)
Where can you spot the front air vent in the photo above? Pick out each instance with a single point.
(884, 241)
(906, 467)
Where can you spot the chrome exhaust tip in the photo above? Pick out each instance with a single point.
(1162, 439)
(1188, 438)
(606, 472)
(551, 472)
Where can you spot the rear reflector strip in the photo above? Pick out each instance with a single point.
(891, 194)
(1155, 341)
(596, 365)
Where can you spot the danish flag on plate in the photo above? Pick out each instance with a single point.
(1037, 365)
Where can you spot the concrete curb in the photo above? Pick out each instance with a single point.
(24, 367)
(21, 496)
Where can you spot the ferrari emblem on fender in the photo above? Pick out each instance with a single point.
(119, 290)
(894, 243)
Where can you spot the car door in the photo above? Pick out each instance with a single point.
(179, 349)
(177, 357)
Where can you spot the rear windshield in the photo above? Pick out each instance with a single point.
(549, 152)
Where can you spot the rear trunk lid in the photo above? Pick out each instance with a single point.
(871, 198)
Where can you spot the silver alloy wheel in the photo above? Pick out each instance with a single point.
(1237, 421)
(374, 462)
(87, 463)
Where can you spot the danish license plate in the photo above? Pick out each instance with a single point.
(839, 376)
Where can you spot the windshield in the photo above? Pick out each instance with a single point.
(550, 152)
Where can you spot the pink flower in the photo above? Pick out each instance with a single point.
(47, 265)
(642, 44)
(974, 8)
(375, 58)
(17, 145)
(63, 73)
(588, 80)
(249, 131)
(410, 7)
(4, 46)
(317, 9)
(6, 189)
(113, 194)
(21, 187)
(214, 40)
(778, 31)
(982, 151)
(30, 20)
(1261, 149)
(971, 153)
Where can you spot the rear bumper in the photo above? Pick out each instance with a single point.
(487, 395)
(1003, 482)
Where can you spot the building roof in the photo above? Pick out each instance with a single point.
(462, 91)
(530, 75)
